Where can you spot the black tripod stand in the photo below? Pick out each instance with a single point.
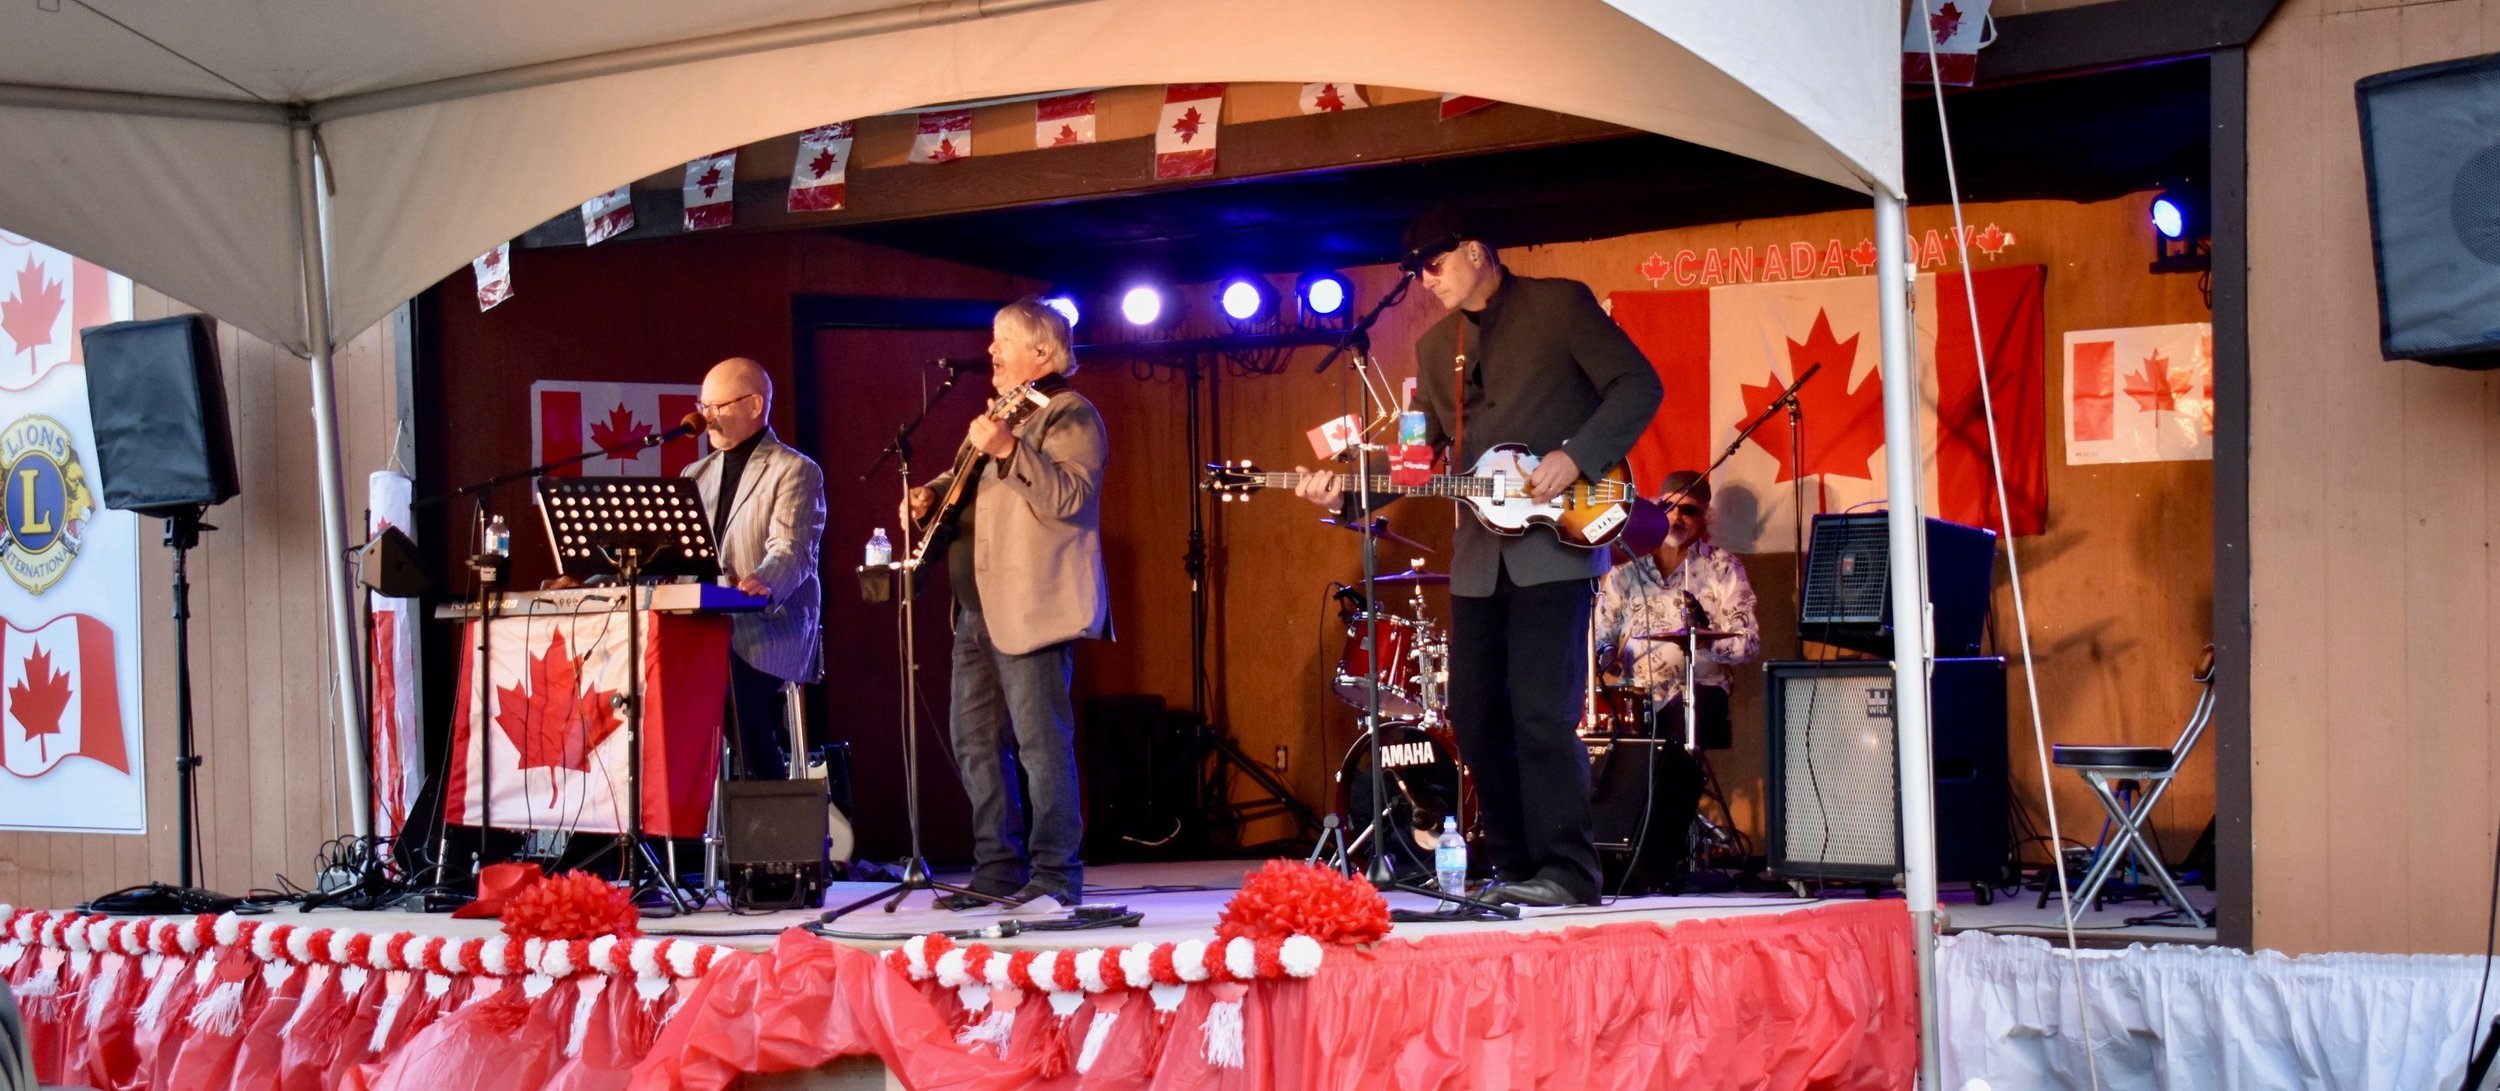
(182, 535)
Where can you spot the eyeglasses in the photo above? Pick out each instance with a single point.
(1433, 265)
(714, 408)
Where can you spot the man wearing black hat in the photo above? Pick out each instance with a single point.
(1532, 361)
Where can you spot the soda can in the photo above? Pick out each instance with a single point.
(1411, 428)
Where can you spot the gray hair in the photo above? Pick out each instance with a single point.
(1044, 328)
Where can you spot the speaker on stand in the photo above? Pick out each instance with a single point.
(2430, 153)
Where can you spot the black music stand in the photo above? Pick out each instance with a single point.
(636, 529)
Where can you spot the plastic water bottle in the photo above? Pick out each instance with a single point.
(498, 537)
(1449, 858)
(880, 551)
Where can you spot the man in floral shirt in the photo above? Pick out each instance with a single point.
(1688, 581)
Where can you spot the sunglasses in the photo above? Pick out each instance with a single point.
(1689, 510)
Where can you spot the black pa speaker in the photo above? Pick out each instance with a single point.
(1848, 593)
(391, 567)
(163, 443)
(775, 822)
(1834, 790)
(2430, 146)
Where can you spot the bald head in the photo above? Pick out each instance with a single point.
(737, 397)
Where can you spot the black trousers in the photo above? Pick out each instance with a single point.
(1518, 664)
(755, 715)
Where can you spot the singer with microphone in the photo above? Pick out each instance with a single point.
(768, 511)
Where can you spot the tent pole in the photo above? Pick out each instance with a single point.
(346, 671)
(1910, 654)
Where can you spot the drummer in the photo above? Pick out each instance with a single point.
(1687, 582)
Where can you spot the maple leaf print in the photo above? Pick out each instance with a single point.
(27, 317)
(1187, 124)
(823, 162)
(1656, 268)
(710, 180)
(553, 722)
(493, 258)
(1944, 22)
(1844, 424)
(36, 703)
(1067, 136)
(1992, 240)
(620, 428)
(945, 151)
(2153, 387)
(1328, 98)
(1864, 255)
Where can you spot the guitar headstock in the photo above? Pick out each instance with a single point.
(1234, 480)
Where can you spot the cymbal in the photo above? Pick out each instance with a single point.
(1680, 635)
(1380, 529)
(1418, 576)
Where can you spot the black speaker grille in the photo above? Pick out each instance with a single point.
(1846, 571)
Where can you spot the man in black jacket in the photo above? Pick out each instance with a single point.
(1536, 362)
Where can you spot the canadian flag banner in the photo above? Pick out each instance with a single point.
(2144, 394)
(59, 696)
(46, 297)
(710, 191)
(1960, 28)
(817, 180)
(494, 276)
(1062, 120)
(576, 417)
(608, 215)
(1726, 353)
(555, 755)
(1185, 141)
(397, 745)
(1330, 98)
(944, 136)
(1456, 105)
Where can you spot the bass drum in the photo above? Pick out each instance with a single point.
(1423, 782)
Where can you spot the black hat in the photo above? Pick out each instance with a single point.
(1438, 231)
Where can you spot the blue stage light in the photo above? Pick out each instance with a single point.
(2168, 217)
(1064, 304)
(1142, 306)
(1323, 294)
(1241, 299)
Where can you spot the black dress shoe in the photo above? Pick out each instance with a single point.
(1534, 892)
(958, 903)
(1065, 897)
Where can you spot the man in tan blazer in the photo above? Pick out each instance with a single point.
(1026, 570)
(767, 503)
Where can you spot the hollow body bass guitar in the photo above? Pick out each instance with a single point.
(1589, 514)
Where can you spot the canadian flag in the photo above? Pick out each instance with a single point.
(59, 696)
(1726, 353)
(46, 297)
(577, 417)
(1959, 27)
(1185, 140)
(2144, 394)
(608, 215)
(398, 747)
(710, 186)
(1330, 98)
(1062, 120)
(1457, 105)
(817, 180)
(944, 136)
(494, 276)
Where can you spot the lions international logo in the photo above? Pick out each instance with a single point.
(44, 501)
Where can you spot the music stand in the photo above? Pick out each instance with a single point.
(633, 528)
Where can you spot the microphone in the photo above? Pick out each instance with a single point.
(957, 365)
(692, 424)
(1413, 263)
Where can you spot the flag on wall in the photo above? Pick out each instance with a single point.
(60, 696)
(494, 276)
(1330, 98)
(710, 191)
(945, 136)
(1726, 353)
(817, 180)
(1062, 120)
(576, 417)
(1185, 140)
(2144, 394)
(397, 744)
(608, 215)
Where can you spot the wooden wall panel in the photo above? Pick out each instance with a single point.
(2372, 511)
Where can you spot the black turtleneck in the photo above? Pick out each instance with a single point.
(733, 465)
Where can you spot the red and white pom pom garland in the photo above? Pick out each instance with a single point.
(268, 941)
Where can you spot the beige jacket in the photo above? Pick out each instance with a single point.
(1037, 531)
(772, 534)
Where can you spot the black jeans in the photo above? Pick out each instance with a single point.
(1518, 662)
(755, 709)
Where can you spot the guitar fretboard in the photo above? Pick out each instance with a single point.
(1463, 487)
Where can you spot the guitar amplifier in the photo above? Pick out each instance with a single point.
(1833, 793)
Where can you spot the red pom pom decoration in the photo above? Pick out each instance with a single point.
(1290, 897)
(574, 905)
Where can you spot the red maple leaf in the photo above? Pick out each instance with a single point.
(494, 258)
(1187, 125)
(1655, 269)
(1864, 255)
(1844, 424)
(823, 162)
(944, 151)
(555, 722)
(27, 319)
(36, 702)
(1992, 240)
(2153, 387)
(709, 180)
(1944, 22)
(1328, 98)
(620, 429)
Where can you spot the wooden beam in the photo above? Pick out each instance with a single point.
(2118, 32)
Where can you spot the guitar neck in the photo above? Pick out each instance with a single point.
(1439, 485)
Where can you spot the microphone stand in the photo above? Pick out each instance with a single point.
(1787, 400)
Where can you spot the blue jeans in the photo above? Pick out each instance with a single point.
(1011, 709)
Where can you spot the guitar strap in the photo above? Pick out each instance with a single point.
(1458, 394)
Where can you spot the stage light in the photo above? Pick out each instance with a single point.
(1247, 300)
(2168, 217)
(1142, 306)
(2182, 239)
(1323, 294)
(1065, 304)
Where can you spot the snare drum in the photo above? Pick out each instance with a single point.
(1424, 783)
(1393, 639)
(1621, 710)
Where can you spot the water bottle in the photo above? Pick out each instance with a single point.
(498, 537)
(880, 551)
(1449, 859)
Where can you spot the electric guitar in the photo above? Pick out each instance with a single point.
(1589, 514)
(937, 531)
